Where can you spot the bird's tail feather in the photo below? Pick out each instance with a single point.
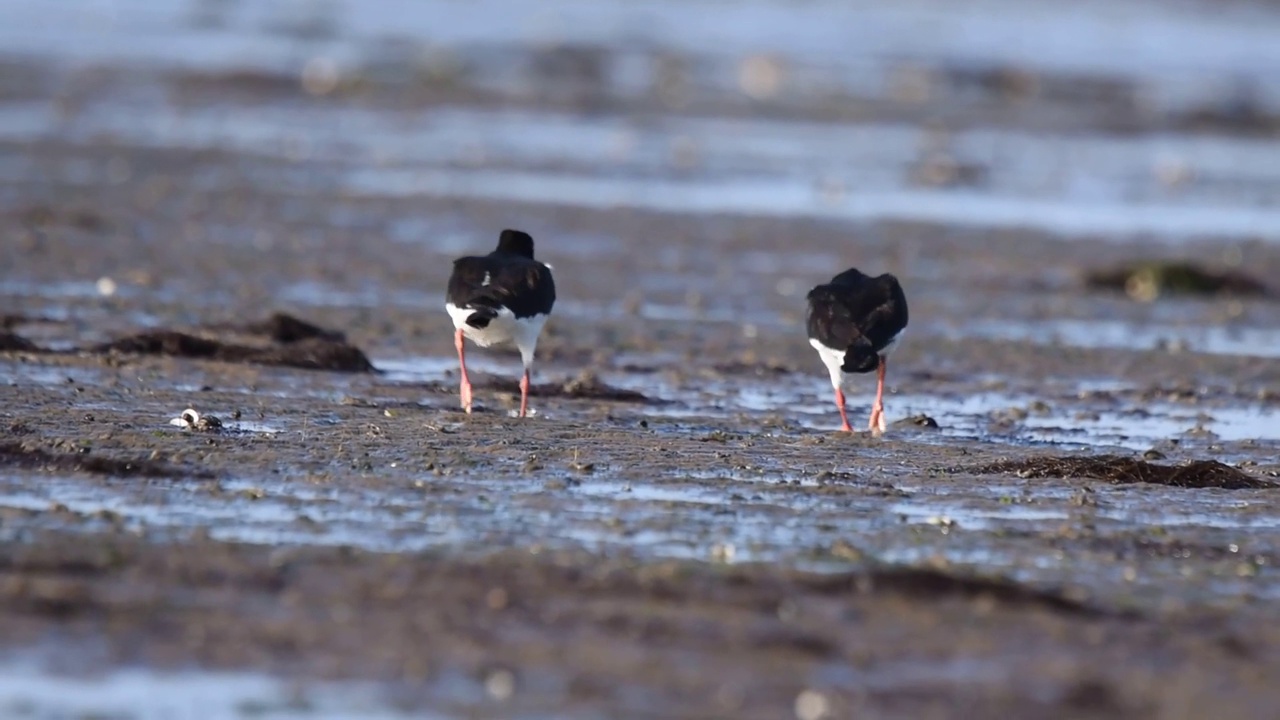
(860, 357)
(481, 317)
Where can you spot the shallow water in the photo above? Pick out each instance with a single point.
(1104, 333)
(1167, 184)
(998, 416)
(27, 691)
(1145, 40)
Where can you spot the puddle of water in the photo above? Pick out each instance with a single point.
(984, 558)
(890, 676)
(1103, 333)
(65, 289)
(801, 197)
(1180, 52)
(33, 374)
(804, 400)
(1068, 185)
(757, 476)
(136, 694)
(651, 492)
(286, 513)
(1140, 429)
(1136, 428)
(605, 514)
(750, 539)
(988, 517)
(249, 426)
(1185, 57)
(316, 294)
(1169, 508)
(965, 528)
(744, 165)
(733, 519)
(425, 369)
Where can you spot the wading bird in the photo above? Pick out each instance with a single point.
(854, 322)
(501, 298)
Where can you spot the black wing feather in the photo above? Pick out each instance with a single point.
(520, 284)
(858, 313)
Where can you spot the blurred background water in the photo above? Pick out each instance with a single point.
(1137, 118)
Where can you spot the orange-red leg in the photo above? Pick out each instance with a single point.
(464, 390)
(524, 392)
(844, 419)
(877, 424)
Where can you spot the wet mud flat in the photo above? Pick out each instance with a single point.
(568, 633)
(678, 531)
(682, 537)
(1074, 514)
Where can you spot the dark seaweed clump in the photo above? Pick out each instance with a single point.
(13, 342)
(1119, 470)
(297, 343)
(1146, 281)
(285, 329)
(310, 354)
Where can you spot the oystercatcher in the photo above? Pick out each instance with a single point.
(501, 298)
(854, 321)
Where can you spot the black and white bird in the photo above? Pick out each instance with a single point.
(503, 298)
(854, 322)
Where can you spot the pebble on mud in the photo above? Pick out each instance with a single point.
(920, 421)
(812, 705)
(500, 684)
(106, 286)
(723, 552)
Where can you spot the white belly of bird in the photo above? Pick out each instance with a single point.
(505, 329)
(833, 359)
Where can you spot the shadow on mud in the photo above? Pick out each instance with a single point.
(1122, 471)
(13, 342)
(931, 584)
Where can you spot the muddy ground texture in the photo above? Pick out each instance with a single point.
(1049, 529)
(678, 530)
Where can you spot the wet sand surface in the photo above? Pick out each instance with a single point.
(678, 530)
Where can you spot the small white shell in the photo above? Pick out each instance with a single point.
(192, 420)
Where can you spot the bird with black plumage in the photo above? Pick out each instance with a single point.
(503, 298)
(854, 322)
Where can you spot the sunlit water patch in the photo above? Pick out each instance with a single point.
(1103, 333)
(270, 513)
(803, 197)
(805, 401)
(854, 43)
(27, 691)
